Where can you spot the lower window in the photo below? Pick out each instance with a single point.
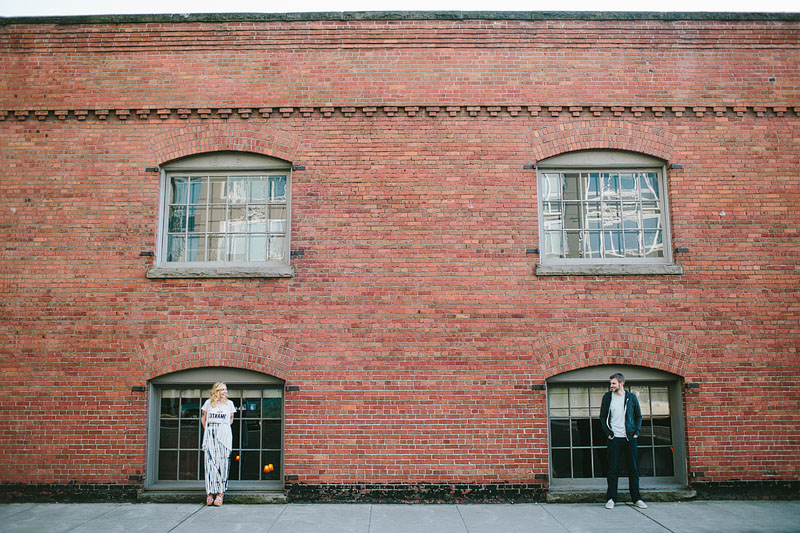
(578, 444)
(177, 459)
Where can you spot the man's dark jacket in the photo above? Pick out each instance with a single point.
(633, 415)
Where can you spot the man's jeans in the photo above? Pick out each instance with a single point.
(628, 450)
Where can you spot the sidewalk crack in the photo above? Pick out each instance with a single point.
(187, 518)
(641, 512)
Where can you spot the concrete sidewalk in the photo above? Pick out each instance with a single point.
(698, 516)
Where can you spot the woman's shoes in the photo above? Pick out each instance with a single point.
(209, 499)
(218, 501)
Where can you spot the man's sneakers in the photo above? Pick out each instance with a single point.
(639, 503)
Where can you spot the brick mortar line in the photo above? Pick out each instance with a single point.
(576, 111)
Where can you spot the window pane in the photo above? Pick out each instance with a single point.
(600, 461)
(630, 216)
(627, 185)
(596, 398)
(653, 247)
(579, 401)
(237, 220)
(665, 461)
(167, 465)
(196, 219)
(592, 186)
(257, 218)
(277, 218)
(591, 244)
(598, 436)
(552, 244)
(257, 192)
(612, 242)
(645, 461)
(559, 432)
(649, 186)
(572, 216)
(662, 430)
(251, 434)
(571, 191)
(218, 191)
(190, 434)
(236, 462)
(612, 217)
(251, 403)
(610, 187)
(582, 463)
(216, 219)
(176, 247)
(271, 407)
(197, 191)
(170, 403)
(573, 243)
(632, 244)
(271, 465)
(188, 465)
(179, 190)
(237, 190)
(660, 400)
(237, 247)
(646, 433)
(552, 187)
(642, 393)
(651, 216)
(581, 432)
(562, 463)
(559, 396)
(177, 218)
(168, 433)
(217, 248)
(251, 465)
(276, 247)
(196, 248)
(257, 248)
(190, 403)
(277, 188)
(271, 435)
(593, 215)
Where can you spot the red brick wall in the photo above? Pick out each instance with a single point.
(415, 325)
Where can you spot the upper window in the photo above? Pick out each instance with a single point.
(603, 212)
(224, 214)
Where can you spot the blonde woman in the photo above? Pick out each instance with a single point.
(217, 419)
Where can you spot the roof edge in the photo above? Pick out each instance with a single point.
(400, 15)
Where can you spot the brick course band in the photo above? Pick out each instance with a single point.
(416, 493)
(513, 110)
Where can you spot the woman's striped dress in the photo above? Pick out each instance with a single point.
(217, 444)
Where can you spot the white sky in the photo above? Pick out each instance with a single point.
(16, 8)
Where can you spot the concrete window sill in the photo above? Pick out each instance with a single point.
(220, 272)
(665, 269)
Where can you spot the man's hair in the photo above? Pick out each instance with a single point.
(618, 376)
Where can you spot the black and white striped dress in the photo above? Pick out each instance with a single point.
(217, 444)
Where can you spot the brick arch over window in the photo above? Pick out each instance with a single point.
(225, 347)
(601, 134)
(201, 138)
(614, 345)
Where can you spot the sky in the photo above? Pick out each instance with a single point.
(17, 8)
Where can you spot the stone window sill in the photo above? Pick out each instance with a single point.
(174, 272)
(665, 269)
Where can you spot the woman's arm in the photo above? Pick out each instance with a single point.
(203, 419)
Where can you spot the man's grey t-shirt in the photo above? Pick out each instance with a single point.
(618, 415)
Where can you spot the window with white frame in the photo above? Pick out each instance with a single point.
(604, 208)
(226, 214)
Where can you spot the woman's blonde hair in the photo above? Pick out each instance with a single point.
(215, 392)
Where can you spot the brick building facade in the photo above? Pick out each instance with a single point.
(414, 244)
